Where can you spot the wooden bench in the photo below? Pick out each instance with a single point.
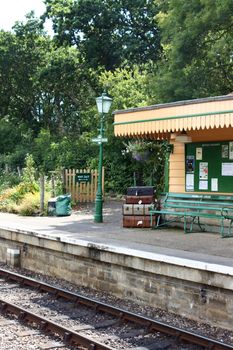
(194, 207)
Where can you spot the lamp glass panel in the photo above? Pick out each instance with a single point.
(103, 103)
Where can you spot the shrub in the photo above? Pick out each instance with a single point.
(9, 180)
(30, 204)
(7, 204)
(17, 193)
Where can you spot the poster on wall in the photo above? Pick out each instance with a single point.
(189, 182)
(203, 171)
(227, 169)
(225, 151)
(203, 185)
(230, 150)
(190, 164)
(214, 184)
(199, 153)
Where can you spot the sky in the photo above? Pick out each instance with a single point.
(15, 10)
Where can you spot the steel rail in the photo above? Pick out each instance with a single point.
(68, 336)
(123, 315)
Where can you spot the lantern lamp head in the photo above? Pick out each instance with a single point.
(103, 103)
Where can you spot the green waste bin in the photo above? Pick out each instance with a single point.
(63, 205)
(60, 206)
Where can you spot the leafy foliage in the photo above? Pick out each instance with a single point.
(107, 33)
(197, 38)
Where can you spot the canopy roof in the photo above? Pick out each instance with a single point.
(162, 119)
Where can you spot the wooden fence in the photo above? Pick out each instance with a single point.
(82, 184)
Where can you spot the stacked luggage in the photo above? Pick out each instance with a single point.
(136, 210)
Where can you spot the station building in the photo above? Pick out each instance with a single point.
(201, 134)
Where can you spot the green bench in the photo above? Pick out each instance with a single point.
(194, 207)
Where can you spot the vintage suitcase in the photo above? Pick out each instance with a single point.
(127, 209)
(138, 221)
(141, 191)
(140, 199)
(147, 208)
(128, 221)
(144, 221)
(133, 209)
(138, 209)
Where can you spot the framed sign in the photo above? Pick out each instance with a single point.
(190, 164)
(203, 170)
(199, 153)
(227, 169)
(83, 177)
(225, 151)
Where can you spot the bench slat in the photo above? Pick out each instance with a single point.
(169, 200)
(212, 197)
(186, 213)
(197, 206)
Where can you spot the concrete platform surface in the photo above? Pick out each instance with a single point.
(204, 247)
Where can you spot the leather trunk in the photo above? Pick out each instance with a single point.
(141, 191)
(137, 221)
(140, 199)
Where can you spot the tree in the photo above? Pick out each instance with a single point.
(127, 86)
(197, 38)
(21, 55)
(107, 32)
(66, 88)
(43, 87)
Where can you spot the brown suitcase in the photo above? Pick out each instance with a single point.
(144, 221)
(140, 199)
(128, 221)
(138, 221)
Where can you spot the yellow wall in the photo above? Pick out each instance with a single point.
(177, 168)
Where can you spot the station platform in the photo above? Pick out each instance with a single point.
(80, 228)
(187, 274)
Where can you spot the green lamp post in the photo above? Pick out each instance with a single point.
(103, 105)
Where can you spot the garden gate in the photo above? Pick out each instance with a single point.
(82, 184)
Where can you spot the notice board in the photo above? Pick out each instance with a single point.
(209, 167)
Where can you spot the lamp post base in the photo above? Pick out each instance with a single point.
(98, 210)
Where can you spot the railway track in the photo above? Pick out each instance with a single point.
(77, 325)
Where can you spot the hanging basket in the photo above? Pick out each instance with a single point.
(141, 156)
(139, 149)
